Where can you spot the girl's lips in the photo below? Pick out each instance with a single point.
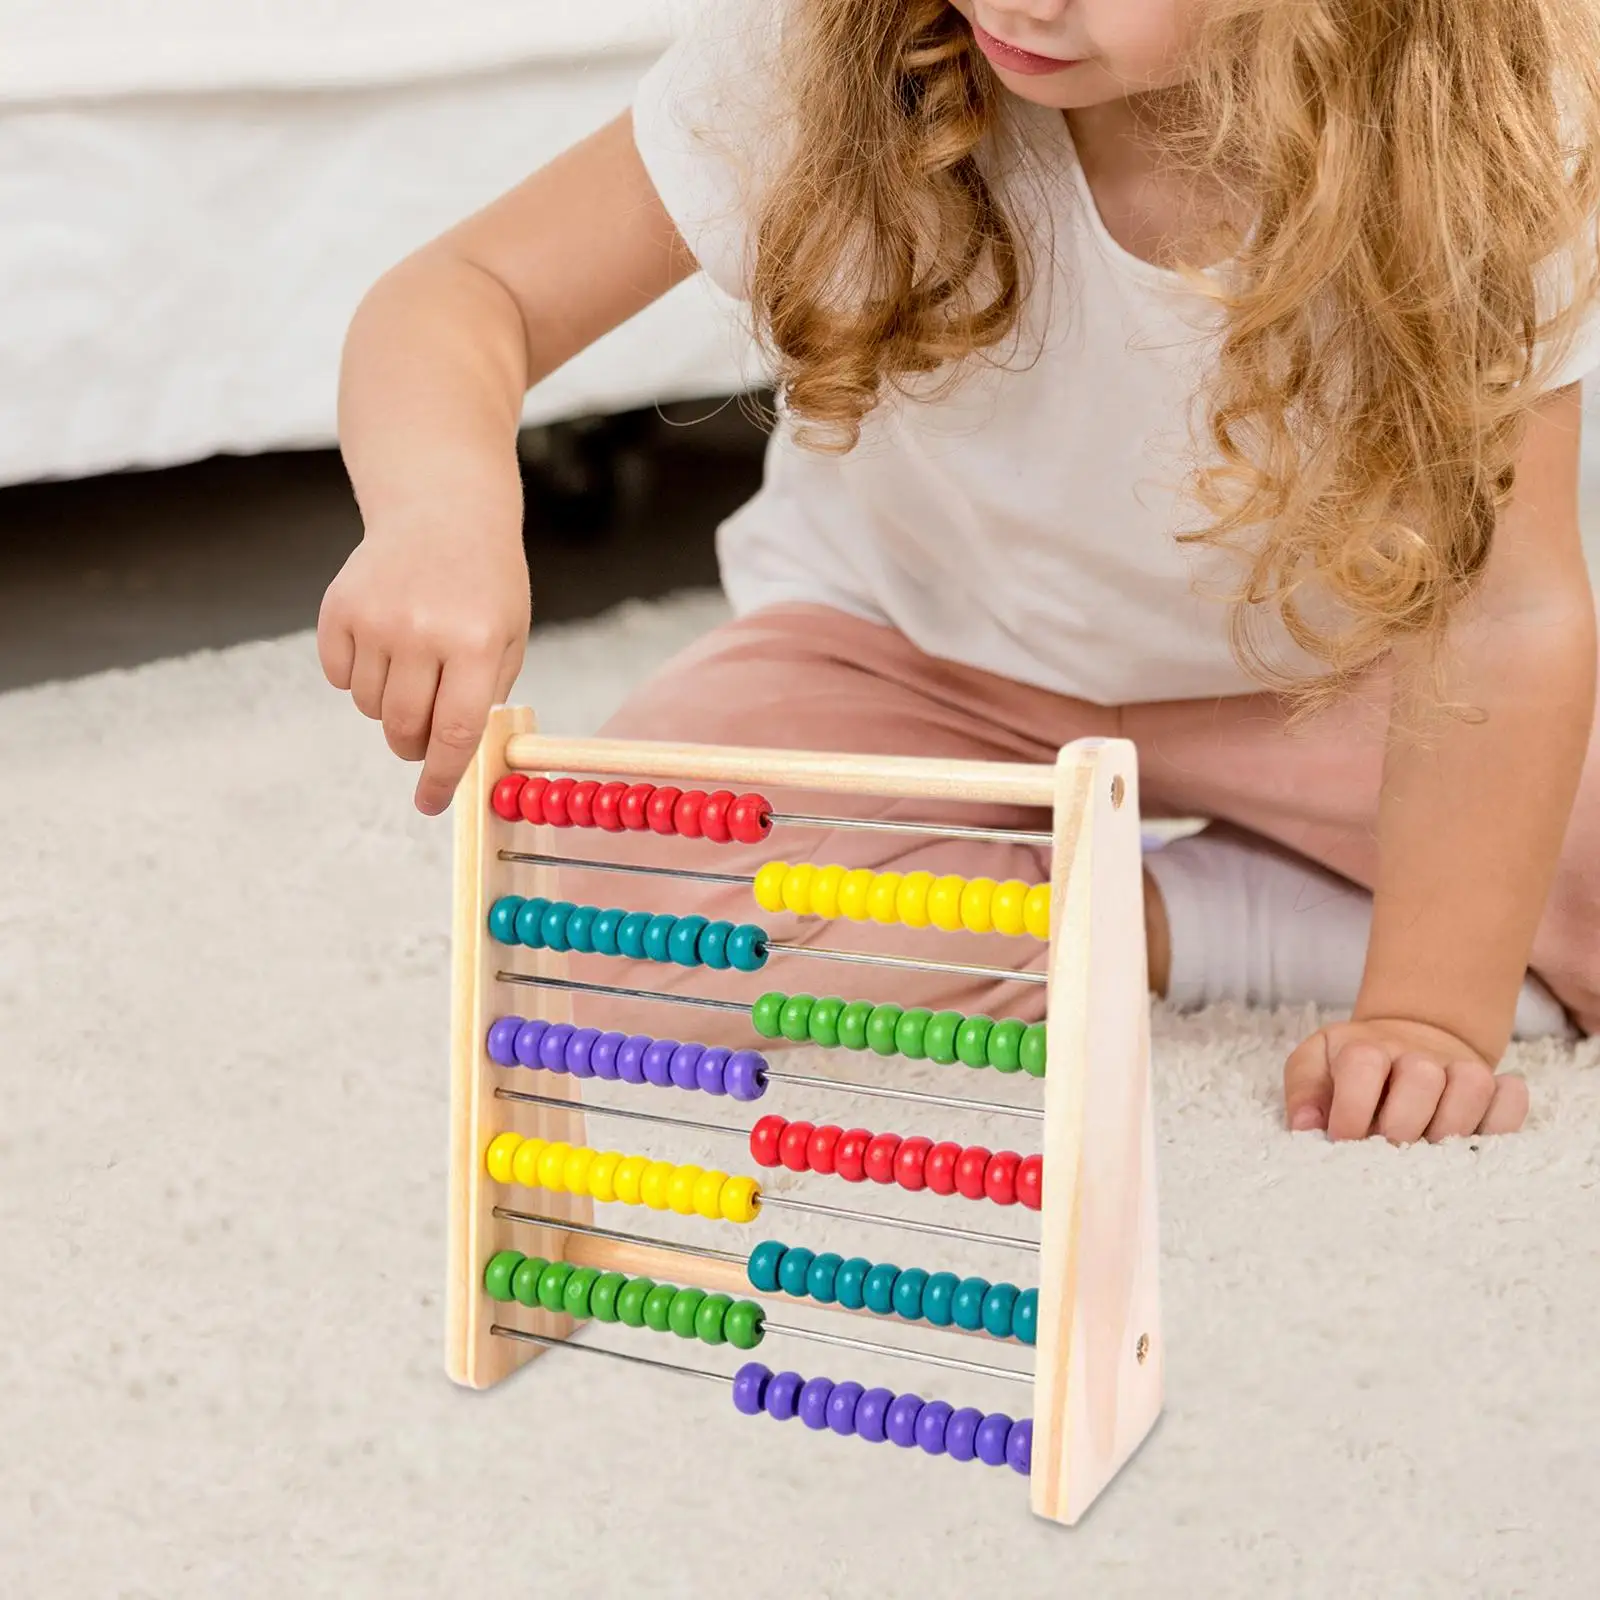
(1012, 58)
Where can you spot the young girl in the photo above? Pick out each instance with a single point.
(1203, 372)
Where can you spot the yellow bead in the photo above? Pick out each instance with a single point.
(881, 902)
(854, 893)
(654, 1185)
(680, 1189)
(769, 885)
(741, 1199)
(553, 1165)
(525, 1164)
(1006, 907)
(797, 889)
(500, 1154)
(603, 1175)
(976, 899)
(627, 1178)
(911, 901)
(708, 1194)
(825, 891)
(1036, 911)
(944, 903)
(575, 1175)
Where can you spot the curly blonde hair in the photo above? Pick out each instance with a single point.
(1413, 169)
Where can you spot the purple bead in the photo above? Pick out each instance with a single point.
(745, 1075)
(708, 1071)
(814, 1398)
(750, 1388)
(527, 1045)
(873, 1413)
(658, 1062)
(932, 1421)
(961, 1436)
(901, 1423)
(783, 1395)
(1019, 1446)
(553, 1047)
(603, 1056)
(630, 1058)
(842, 1408)
(503, 1041)
(579, 1047)
(990, 1442)
(684, 1068)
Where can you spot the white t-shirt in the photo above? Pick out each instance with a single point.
(1026, 523)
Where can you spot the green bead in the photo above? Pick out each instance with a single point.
(630, 1302)
(1005, 1045)
(998, 1307)
(708, 1319)
(972, 1041)
(681, 1314)
(556, 917)
(938, 1298)
(657, 939)
(603, 1296)
(822, 1280)
(580, 929)
(794, 1024)
(497, 1274)
(853, 1024)
(525, 1280)
(878, 1290)
(747, 947)
(881, 1027)
(553, 1285)
(683, 943)
(762, 1267)
(742, 1325)
(503, 919)
(1025, 1316)
(908, 1291)
(658, 1307)
(603, 931)
(939, 1038)
(575, 1302)
(910, 1036)
(1032, 1051)
(967, 1307)
(825, 1021)
(850, 1283)
(766, 1013)
(630, 935)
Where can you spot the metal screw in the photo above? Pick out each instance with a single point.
(1142, 1349)
(1119, 792)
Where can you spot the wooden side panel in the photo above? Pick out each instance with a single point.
(472, 1355)
(1098, 1380)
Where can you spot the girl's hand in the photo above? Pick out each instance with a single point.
(427, 632)
(1401, 1080)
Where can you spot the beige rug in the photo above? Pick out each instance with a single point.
(222, 1140)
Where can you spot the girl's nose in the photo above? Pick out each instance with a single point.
(1010, 12)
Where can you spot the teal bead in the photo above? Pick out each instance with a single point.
(1032, 1050)
(503, 919)
(762, 1267)
(908, 1291)
(630, 935)
(853, 1024)
(999, 1307)
(966, 1308)
(794, 1023)
(498, 1273)
(822, 1279)
(580, 929)
(940, 1036)
(658, 1307)
(972, 1041)
(881, 1027)
(824, 1021)
(555, 924)
(766, 1015)
(1025, 1316)
(938, 1298)
(657, 940)
(850, 1283)
(1005, 1045)
(708, 1319)
(530, 923)
(683, 943)
(525, 1281)
(603, 934)
(575, 1299)
(747, 947)
(878, 1290)
(794, 1271)
(910, 1036)
(553, 1285)
(714, 945)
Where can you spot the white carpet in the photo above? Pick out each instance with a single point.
(222, 1138)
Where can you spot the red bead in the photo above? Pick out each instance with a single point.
(686, 814)
(580, 803)
(879, 1157)
(910, 1164)
(658, 809)
(531, 801)
(506, 795)
(764, 1141)
(970, 1170)
(604, 806)
(631, 807)
(750, 819)
(820, 1150)
(1000, 1177)
(714, 816)
(555, 802)
(792, 1146)
(1030, 1181)
(849, 1154)
(939, 1170)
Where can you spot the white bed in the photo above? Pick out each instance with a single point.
(195, 194)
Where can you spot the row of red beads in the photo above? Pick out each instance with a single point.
(855, 1155)
(722, 817)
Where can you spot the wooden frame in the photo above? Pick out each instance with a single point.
(1098, 1357)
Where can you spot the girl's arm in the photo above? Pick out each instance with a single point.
(427, 623)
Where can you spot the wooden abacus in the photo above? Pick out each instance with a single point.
(516, 1275)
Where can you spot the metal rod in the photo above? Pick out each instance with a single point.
(522, 1097)
(915, 1095)
(951, 830)
(783, 1202)
(572, 986)
(954, 1363)
(906, 963)
(529, 859)
(617, 1236)
(600, 1350)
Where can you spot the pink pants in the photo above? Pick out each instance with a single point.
(809, 678)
